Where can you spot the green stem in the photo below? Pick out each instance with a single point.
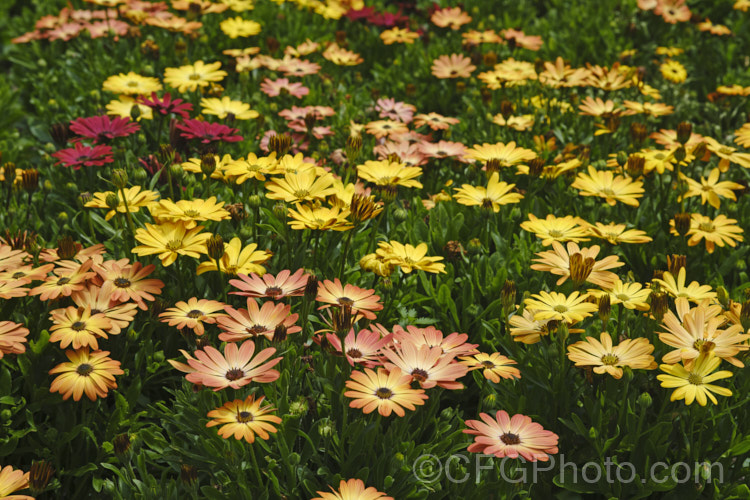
(345, 255)
(256, 466)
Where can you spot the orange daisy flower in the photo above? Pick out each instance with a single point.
(453, 345)
(284, 284)
(353, 489)
(505, 436)
(14, 480)
(193, 314)
(363, 348)
(579, 264)
(77, 326)
(389, 392)
(361, 301)
(130, 281)
(243, 419)
(494, 366)
(13, 288)
(254, 321)
(64, 282)
(452, 66)
(426, 365)
(235, 368)
(99, 300)
(12, 338)
(90, 373)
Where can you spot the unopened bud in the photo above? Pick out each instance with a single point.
(188, 474)
(723, 296)
(638, 132)
(39, 476)
(280, 144)
(684, 131)
(675, 263)
(66, 248)
(215, 247)
(121, 444)
(644, 400)
(659, 304)
(492, 166)
(311, 288)
(279, 333)
(30, 179)
(474, 246)
(508, 295)
(208, 164)
(699, 150)
(682, 223)
(135, 112)
(112, 201)
(635, 165)
(536, 167)
(605, 307)
(580, 268)
(119, 178)
(680, 154)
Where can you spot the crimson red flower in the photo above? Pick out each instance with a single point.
(104, 127)
(88, 156)
(166, 105)
(208, 132)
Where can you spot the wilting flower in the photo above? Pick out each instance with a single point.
(388, 392)
(353, 489)
(193, 314)
(693, 380)
(244, 419)
(505, 436)
(606, 358)
(235, 368)
(91, 373)
(493, 366)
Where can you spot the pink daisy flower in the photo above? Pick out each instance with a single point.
(235, 368)
(208, 132)
(103, 127)
(273, 88)
(166, 105)
(284, 284)
(80, 156)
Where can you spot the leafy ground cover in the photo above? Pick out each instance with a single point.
(387, 250)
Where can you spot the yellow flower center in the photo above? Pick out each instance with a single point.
(244, 417)
(192, 213)
(84, 369)
(384, 393)
(174, 245)
(302, 193)
(561, 308)
(703, 345)
(695, 379)
(610, 359)
(607, 191)
(132, 84)
(555, 233)
(194, 314)
(231, 270)
(510, 439)
(622, 297)
(706, 227)
(194, 77)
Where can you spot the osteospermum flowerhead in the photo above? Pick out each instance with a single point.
(13, 480)
(494, 366)
(284, 284)
(692, 380)
(193, 314)
(387, 391)
(234, 368)
(244, 419)
(361, 301)
(192, 76)
(353, 489)
(92, 373)
(512, 437)
(241, 324)
(409, 258)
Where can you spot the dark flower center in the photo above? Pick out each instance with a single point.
(195, 313)
(19, 274)
(419, 375)
(78, 326)
(234, 374)
(510, 439)
(273, 291)
(63, 281)
(488, 364)
(122, 282)
(244, 417)
(256, 329)
(345, 301)
(384, 393)
(354, 353)
(84, 369)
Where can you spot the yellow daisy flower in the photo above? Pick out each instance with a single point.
(491, 197)
(605, 184)
(388, 173)
(505, 154)
(710, 189)
(238, 260)
(409, 258)
(693, 380)
(320, 218)
(551, 228)
(675, 287)
(169, 240)
(189, 211)
(716, 231)
(238, 27)
(606, 358)
(192, 76)
(553, 305)
(225, 106)
(131, 84)
(304, 185)
(136, 199)
(616, 233)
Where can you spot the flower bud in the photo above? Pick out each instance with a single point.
(208, 164)
(605, 307)
(675, 263)
(326, 429)
(30, 180)
(280, 144)
(644, 400)
(119, 178)
(311, 288)
(353, 147)
(188, 474)
(298, 408)
(474, 246)
(453, 251)
(745, 315)
(635, 165)
(536, 167)
(580, 268)
(699, 150)
(60, 132)
(279, 333)
(508, 295)
(215, 247)
(112, 201)
(39, 476)
(682, 223)
(66, 248)
(400, 214)
(659, 304)
(638, 132)
(254, 201)
(684, 131)
(135, 112)
(121, 444)
(680, 154)
(279, 209)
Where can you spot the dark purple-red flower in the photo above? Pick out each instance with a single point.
(80, 155)
(208, 132)
(103, 127)
(166, 105)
